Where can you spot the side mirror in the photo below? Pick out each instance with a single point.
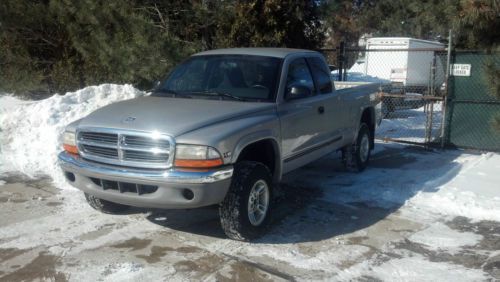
(297, 92)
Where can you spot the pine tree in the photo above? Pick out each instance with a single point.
(271, 23)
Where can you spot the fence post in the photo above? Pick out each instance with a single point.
(340, 60)
(447, 90)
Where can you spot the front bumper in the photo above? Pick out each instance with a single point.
(208, 187)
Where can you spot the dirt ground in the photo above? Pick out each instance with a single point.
(52, 234)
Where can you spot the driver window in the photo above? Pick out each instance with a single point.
(299, 75)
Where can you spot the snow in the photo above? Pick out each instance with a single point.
(471, 191)
(417, 268)
(31, 131)
(358, 77)
(451, 184)
(410, 124)
(332, 257)
(440, 237)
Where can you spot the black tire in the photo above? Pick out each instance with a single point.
(233, 211)
(105, 206)
(388, 107)
(351, 155)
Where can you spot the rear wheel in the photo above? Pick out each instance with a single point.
(105, 206)
(244, 213)
(388, 107)
(356, 156)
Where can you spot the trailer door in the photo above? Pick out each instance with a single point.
(389, 65)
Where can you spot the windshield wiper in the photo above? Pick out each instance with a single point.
(219, 93)
(173, 93)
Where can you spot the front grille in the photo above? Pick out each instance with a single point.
(140, 141)
(124, 187)
(131, 149)
(144, 156)
(100, 151)
(108, 138)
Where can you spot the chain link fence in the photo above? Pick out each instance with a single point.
(423, 105)
(473, 119)
(421, 102)
(413, 87)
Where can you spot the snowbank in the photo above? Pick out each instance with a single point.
(30, 131)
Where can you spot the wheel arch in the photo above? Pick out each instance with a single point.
(261, 147)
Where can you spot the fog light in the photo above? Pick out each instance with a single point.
(187, 194)
(69, 176)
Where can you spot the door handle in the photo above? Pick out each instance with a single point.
(321, 109)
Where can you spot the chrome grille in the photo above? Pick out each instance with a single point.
(100, 151)
(99, 137)
(139, 141)
(144, 156)
(132, 149)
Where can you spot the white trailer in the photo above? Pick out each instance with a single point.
(411, 68)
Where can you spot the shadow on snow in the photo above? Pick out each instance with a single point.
(322, 200)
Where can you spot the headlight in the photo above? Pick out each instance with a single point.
(69, 142)
(196, 156)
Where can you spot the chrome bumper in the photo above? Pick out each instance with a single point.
(77, 164)
(207, 187)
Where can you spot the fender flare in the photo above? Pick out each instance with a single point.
(256, 137)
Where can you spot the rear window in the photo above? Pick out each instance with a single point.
(321, 75)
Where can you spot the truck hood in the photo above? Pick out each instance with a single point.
(172, 116)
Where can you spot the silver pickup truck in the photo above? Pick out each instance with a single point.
(223, 128)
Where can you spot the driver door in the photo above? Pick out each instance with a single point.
(303, 122)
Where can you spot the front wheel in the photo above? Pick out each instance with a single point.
(105, 206)
(244, 213)
(356, 156)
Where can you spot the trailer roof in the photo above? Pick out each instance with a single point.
(404, 38)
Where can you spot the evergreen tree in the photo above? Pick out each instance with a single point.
(271, 23)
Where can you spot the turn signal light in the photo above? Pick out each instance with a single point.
(198, 163)
(70, 149)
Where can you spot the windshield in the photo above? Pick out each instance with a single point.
(235, 77)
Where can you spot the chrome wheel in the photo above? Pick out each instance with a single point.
(364, 148)
(258, 202)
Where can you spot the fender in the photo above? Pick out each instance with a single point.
(259, 136)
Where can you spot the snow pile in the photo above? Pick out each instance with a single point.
(31, 131)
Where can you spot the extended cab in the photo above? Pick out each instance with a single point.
(223, 128)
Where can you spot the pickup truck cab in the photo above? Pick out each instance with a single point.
(223, 128)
